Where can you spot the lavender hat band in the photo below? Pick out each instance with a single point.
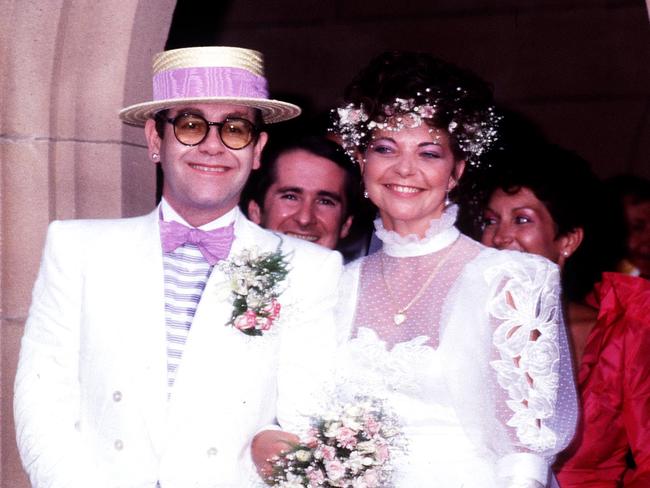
(208, 82)
(209, 74)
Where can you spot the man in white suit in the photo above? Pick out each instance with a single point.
(150, 358)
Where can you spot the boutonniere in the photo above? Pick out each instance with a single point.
(255, 280)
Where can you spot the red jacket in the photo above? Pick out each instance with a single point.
(614, 383)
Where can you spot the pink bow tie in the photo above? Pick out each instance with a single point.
(213, 244)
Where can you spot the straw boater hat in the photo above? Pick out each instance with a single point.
(206, 75)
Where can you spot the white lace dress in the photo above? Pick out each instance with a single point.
(479, 373)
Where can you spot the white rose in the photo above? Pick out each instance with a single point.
(253, 300)
(239, 285)
(332, 429)
(366, 447)
(303, 455)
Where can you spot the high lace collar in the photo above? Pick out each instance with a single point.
(440, 234)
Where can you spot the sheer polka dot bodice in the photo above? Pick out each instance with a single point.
(481, 362)
(390, 283)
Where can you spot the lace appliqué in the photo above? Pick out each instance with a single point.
(370, 368)
(527, 343)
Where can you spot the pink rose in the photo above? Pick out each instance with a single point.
(372, 425)
(272, 310)
(346, 437)
(246, 320)
(264, 323)
(371, 479)
(382, 453)
(315, 476)
(310, 442)
(334, 469)
(328, 453)
(311, 439)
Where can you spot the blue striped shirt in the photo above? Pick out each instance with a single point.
(185, 272)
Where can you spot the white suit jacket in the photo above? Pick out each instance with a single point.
(91, 406)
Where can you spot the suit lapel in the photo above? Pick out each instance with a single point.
(148, 344)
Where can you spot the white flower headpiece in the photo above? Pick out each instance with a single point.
(473, 134)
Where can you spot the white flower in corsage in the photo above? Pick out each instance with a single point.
(350, 446)
(255, 281)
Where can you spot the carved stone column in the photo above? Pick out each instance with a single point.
(68, 66)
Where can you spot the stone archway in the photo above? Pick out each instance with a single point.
(68, 66)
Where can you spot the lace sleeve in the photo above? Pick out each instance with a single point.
(508, 365)
(535, 397)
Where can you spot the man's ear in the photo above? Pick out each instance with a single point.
(153, 140)
(568, 243)
(257, 150)
(255, 212)
(345, 228)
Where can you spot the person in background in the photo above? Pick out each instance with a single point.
(157, 346)
(546, 200)
(307, 188)
(634, 193)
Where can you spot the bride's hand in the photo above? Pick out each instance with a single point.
(268, 444)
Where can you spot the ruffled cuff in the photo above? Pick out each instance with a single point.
(523, 470)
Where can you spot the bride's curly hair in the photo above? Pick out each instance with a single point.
(461, 102)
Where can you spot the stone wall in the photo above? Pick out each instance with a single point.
(68, 66)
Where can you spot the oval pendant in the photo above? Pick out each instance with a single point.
(399, 318)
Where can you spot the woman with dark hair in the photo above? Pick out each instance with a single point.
(586, 224)
(464, 343)
(547, 201)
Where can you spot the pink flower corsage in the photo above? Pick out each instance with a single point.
(256, 285)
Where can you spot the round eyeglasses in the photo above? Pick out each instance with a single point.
(192, 129)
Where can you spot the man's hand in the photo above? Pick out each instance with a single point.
(268, 444)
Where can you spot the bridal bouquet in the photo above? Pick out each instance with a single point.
(351, 446)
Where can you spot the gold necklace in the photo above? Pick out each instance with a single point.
(400, 315)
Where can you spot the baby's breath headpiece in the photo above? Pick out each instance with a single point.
(473, 131)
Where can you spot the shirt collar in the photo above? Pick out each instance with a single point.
(169, 214)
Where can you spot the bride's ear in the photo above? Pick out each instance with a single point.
(457, 172)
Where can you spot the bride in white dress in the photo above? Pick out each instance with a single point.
(465, 343)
